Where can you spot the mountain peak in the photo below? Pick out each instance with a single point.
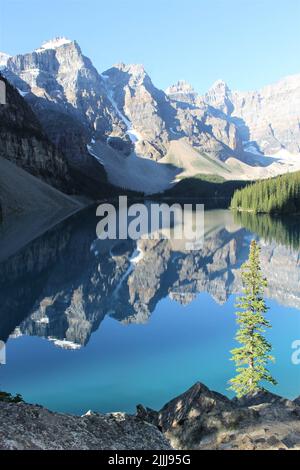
(133, 69)
(219, 85)
(3, 59)
(181, 87)
(219, 96)
(54, 43)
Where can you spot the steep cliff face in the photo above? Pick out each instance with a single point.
(184, 92)
(23, 142)
(146, 110)
(122, 103)
(219, 97)
(206, 128)
(67, 95)
(258, 122)
(70, 100)
(50, 144)
(267, 119)
(272, 115)
(63, 76)
(155, 118)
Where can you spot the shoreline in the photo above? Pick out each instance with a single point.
(16, 231)
(252, 211)
(198, 419)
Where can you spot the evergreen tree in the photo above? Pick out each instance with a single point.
(252, 357)
(274, 195)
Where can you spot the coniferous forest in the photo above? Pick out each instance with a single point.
(279, 195)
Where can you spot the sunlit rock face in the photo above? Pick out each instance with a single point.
(63, 76)
(183, 91)
(62, 85)
(146, 110)
(206, 420)
(271, 115)
(104, 118)
(68, 96)
(200, 119)
(265, 121)
(269, 118)
(219, 97)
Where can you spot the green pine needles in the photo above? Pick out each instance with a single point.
(252, 356)
(279, 195)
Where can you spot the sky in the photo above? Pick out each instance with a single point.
(247, 43)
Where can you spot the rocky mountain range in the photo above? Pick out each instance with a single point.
(120, 119)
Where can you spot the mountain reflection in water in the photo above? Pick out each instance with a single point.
(63, 284)
(144, 316)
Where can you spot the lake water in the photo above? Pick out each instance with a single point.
(87, 328)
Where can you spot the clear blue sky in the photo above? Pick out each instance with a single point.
(248, 43)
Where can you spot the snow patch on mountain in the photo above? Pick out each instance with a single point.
(119, 113)
(22, 93)
(64, 343)
(132, 133)
(251, 147)
(137, 256)
(43, 320)
(54, 44)
(92, 153)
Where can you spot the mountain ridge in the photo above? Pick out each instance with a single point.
(255, 134)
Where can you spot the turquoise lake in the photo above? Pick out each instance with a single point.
(86, 328)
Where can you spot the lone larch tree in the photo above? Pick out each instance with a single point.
(252, 357)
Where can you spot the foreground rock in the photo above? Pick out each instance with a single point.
(199, 419)
(24, 426)
(202, 419)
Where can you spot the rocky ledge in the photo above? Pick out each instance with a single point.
(202, 419)
(24, 426)
(197, 419)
